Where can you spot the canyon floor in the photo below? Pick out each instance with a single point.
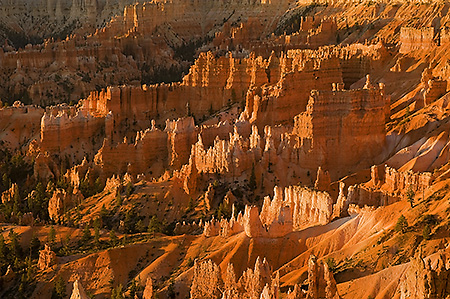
(225, 149)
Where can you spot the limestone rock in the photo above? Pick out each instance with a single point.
(316, 124)
(321, 283)
(340, 209)
(254, 283)
(59, 203)
(206, 282)
(252, 224)
(296, 293)
(182, 134)
(211, 228)
(323, 180)
(413, 39)
(12, 132)
(148, 290)
(8, 195)
(209, 197)
(188, 228)
(425, 279)
(47, 258)
(78, 291)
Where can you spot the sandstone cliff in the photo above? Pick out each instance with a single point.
(13, 131)
(346, 121)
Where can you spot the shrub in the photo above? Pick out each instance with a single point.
(86, 238)
(331, 264)
(410, 196)
(402, 224)
(426, 232)
(59, 290)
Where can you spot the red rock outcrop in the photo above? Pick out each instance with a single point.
(13, 131)
(206, 282)
(413, 39)
(65, 130)
(296, 209)
(253, 284)
(59, 203)
(321, 283)
(404, 180)
(148, 290)
(247, 36)
(120, 112)
(387, 185)
(323, 180)
(147, 155)
(47, 258)
(337, 120)
(78, 291)
(187, 228)
(426, 38)
(182, 134)
(8, 195)
(143, 37)
(45, 167)
(188, 175)
(340, 208)
(432, 89)
(44, 18)
(425, 278)
(309, 207)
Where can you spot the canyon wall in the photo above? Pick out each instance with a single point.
(127, 116)
(148, 154)
(427, 38)
(65, 130)
(413, 39)
(19, 125)
(136, 46)
(247, 36)
(338, 120)
(45, 18)
(386, 186)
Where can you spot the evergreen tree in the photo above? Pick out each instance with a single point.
(117, 292)
(16, 201)
(154, 226)
(410, 196)
(426, 232)
(96, 233)
(103, 214)
(14, 246)
(130, 222)
(35, 245)
(30, 269)
(3, 248)
(6, 182)
(59, 289)
(51, 236)
(86, 238)
(402, 224)
(113, 238)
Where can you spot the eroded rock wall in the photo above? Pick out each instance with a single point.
(336, 121)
